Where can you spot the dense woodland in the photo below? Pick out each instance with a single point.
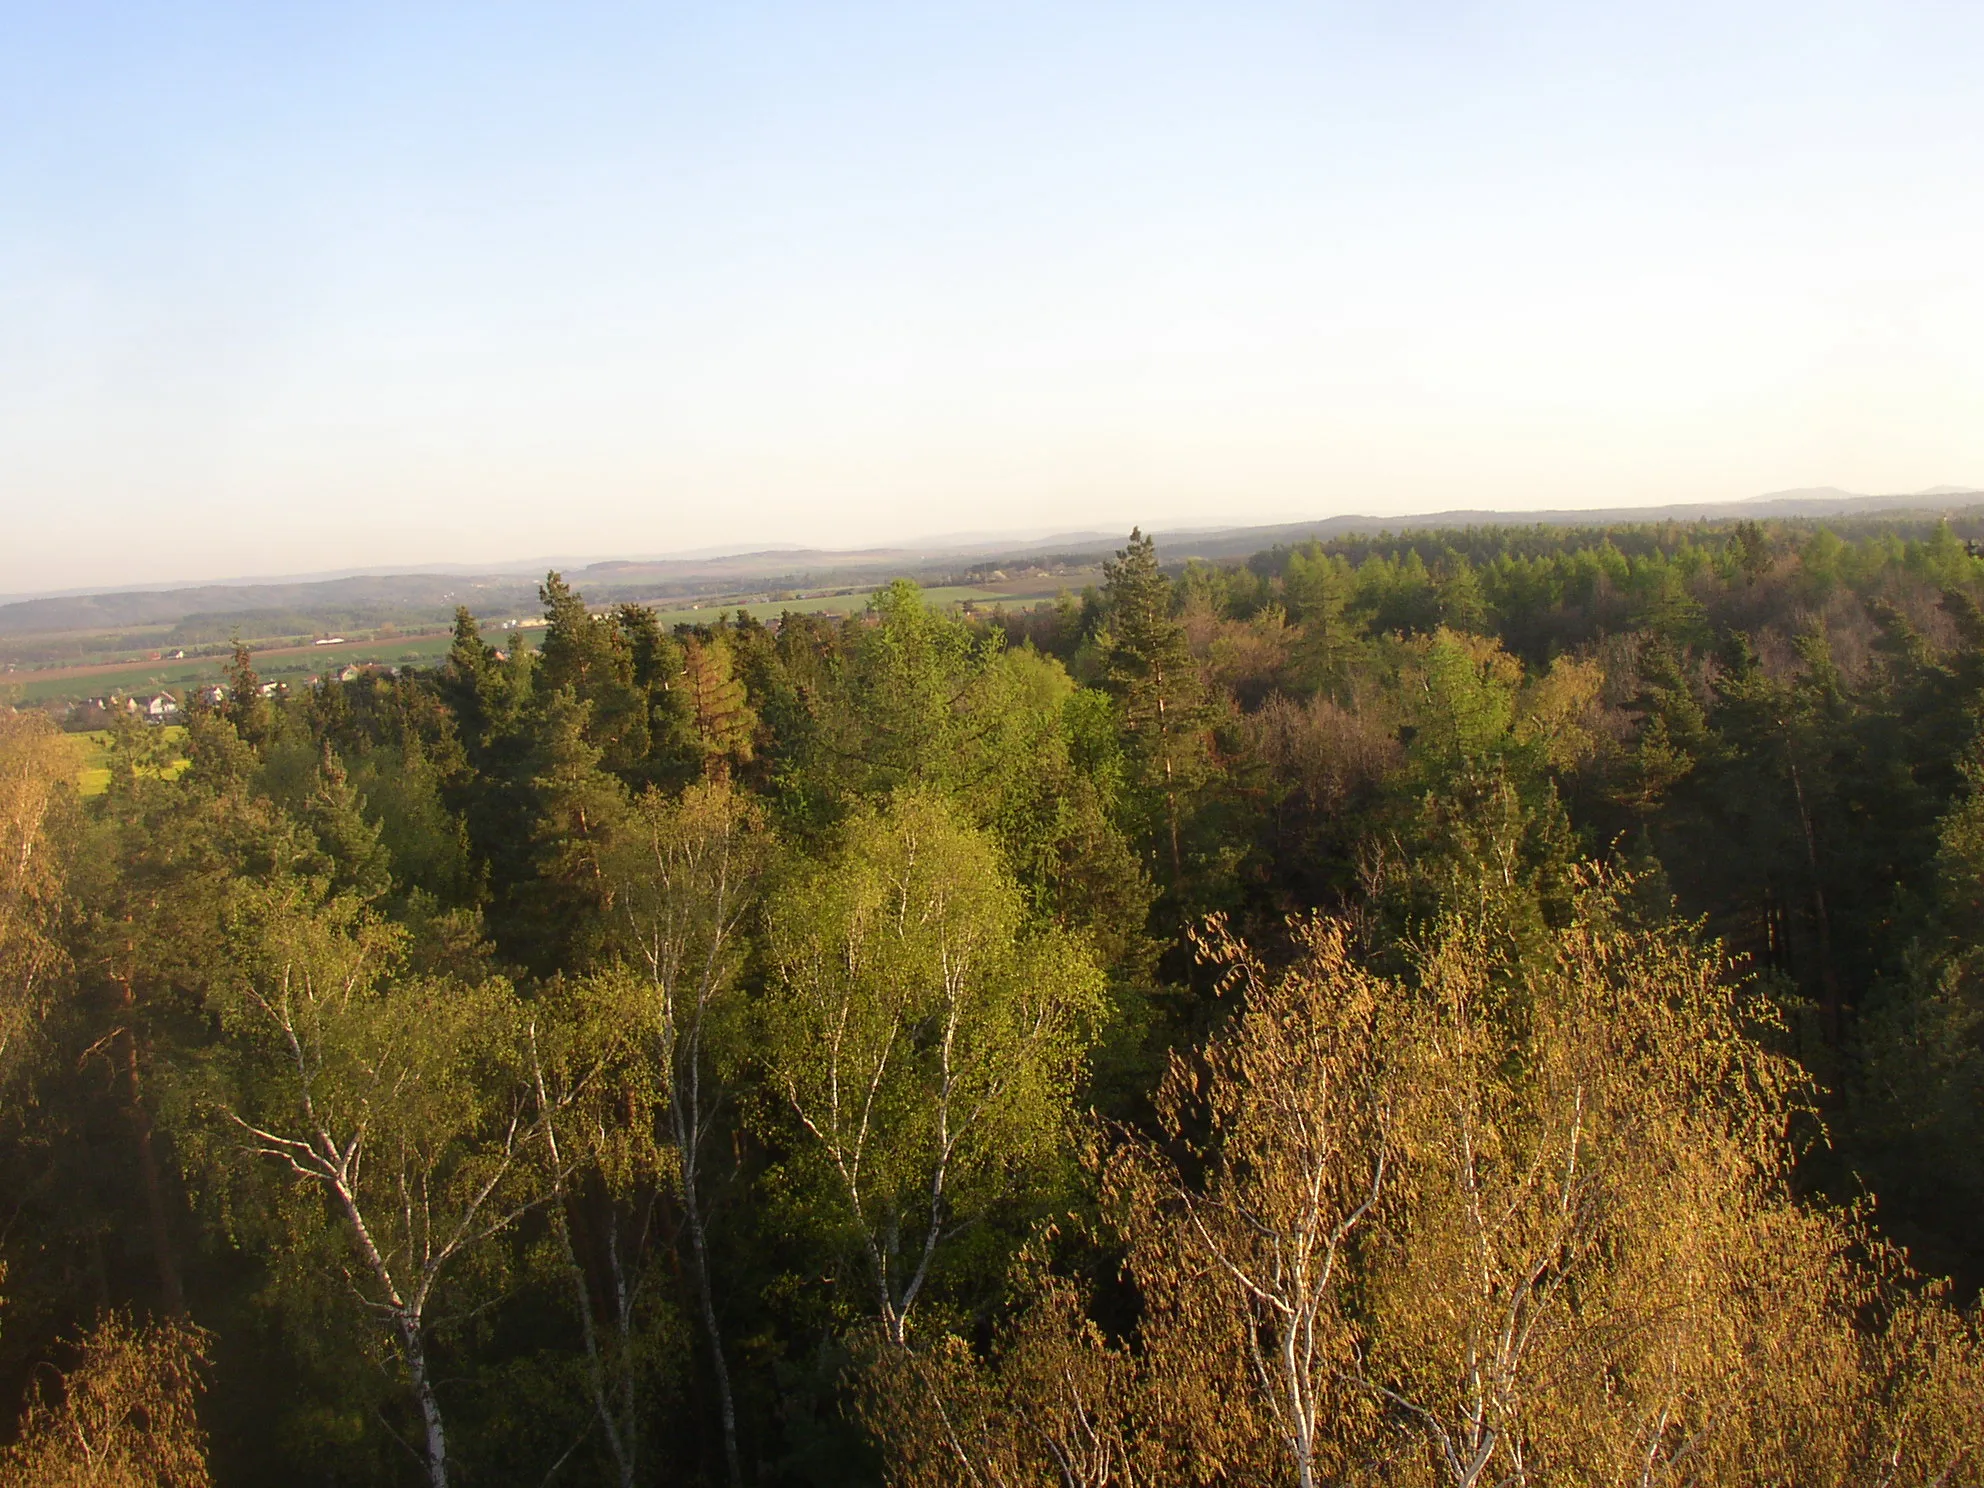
(1488, 1007)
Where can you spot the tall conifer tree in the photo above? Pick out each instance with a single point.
(1152, 671)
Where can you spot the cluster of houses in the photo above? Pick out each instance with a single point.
(94, 712)
(164, 707)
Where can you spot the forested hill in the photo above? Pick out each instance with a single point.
(259, 607)
(1488, 1005)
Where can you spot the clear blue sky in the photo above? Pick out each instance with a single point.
(290, 287)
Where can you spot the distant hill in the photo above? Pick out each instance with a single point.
(1823, 501)
(371, 599)
(363, 600)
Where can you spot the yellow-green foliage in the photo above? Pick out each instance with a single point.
(95, 749)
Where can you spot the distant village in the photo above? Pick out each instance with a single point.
(164, 708)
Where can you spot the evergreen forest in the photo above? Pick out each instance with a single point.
(1432, 1010)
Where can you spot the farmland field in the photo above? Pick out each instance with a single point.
(294, 664)
(288, 664)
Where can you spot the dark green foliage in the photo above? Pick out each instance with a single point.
(1779, 726)
(1149, 667)
(593, 657)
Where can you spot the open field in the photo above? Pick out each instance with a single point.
(93, 758)
(294, 663)
(284, 665)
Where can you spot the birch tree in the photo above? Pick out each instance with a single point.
(683, 877)
(1504, 1220)
(924, 1039)
(403, 1101)
(1056, 1405)
(1245, 1241)
(1598, 1184)
(596, 1096)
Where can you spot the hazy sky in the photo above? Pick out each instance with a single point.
(291, 287)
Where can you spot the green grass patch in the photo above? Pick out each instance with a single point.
(92, 751)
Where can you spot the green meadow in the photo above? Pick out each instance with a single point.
(92, 751)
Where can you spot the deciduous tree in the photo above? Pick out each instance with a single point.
(404, 1102)
(122, 1416)
(925, 1040)
(685, 878)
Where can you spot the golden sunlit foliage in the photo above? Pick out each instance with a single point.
(123, 1416)
(1441, 1010)
(1488, 1222)
(35, 773)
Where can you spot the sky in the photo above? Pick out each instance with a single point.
(288, 288)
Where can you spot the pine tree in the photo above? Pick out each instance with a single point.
(337, 813)
(468, 680)
(581, 805)
(656, 658)
(593, 657)
(1751, 550)
(1319, 588)
(1459, 590)
(245, 706)
(1151, 670)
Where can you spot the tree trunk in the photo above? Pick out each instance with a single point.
(423, 1391)
(171, 1293)
(595, 1368)
(1170, 793)
(623, 1332)
(1829, 998)
(406, 1317)
(698, 1244)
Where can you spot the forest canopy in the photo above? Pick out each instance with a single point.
(1472, 1007)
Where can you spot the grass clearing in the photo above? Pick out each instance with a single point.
(92, 751)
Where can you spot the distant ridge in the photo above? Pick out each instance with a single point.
(1823, 493)
(1822, 501)
(430, 594)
